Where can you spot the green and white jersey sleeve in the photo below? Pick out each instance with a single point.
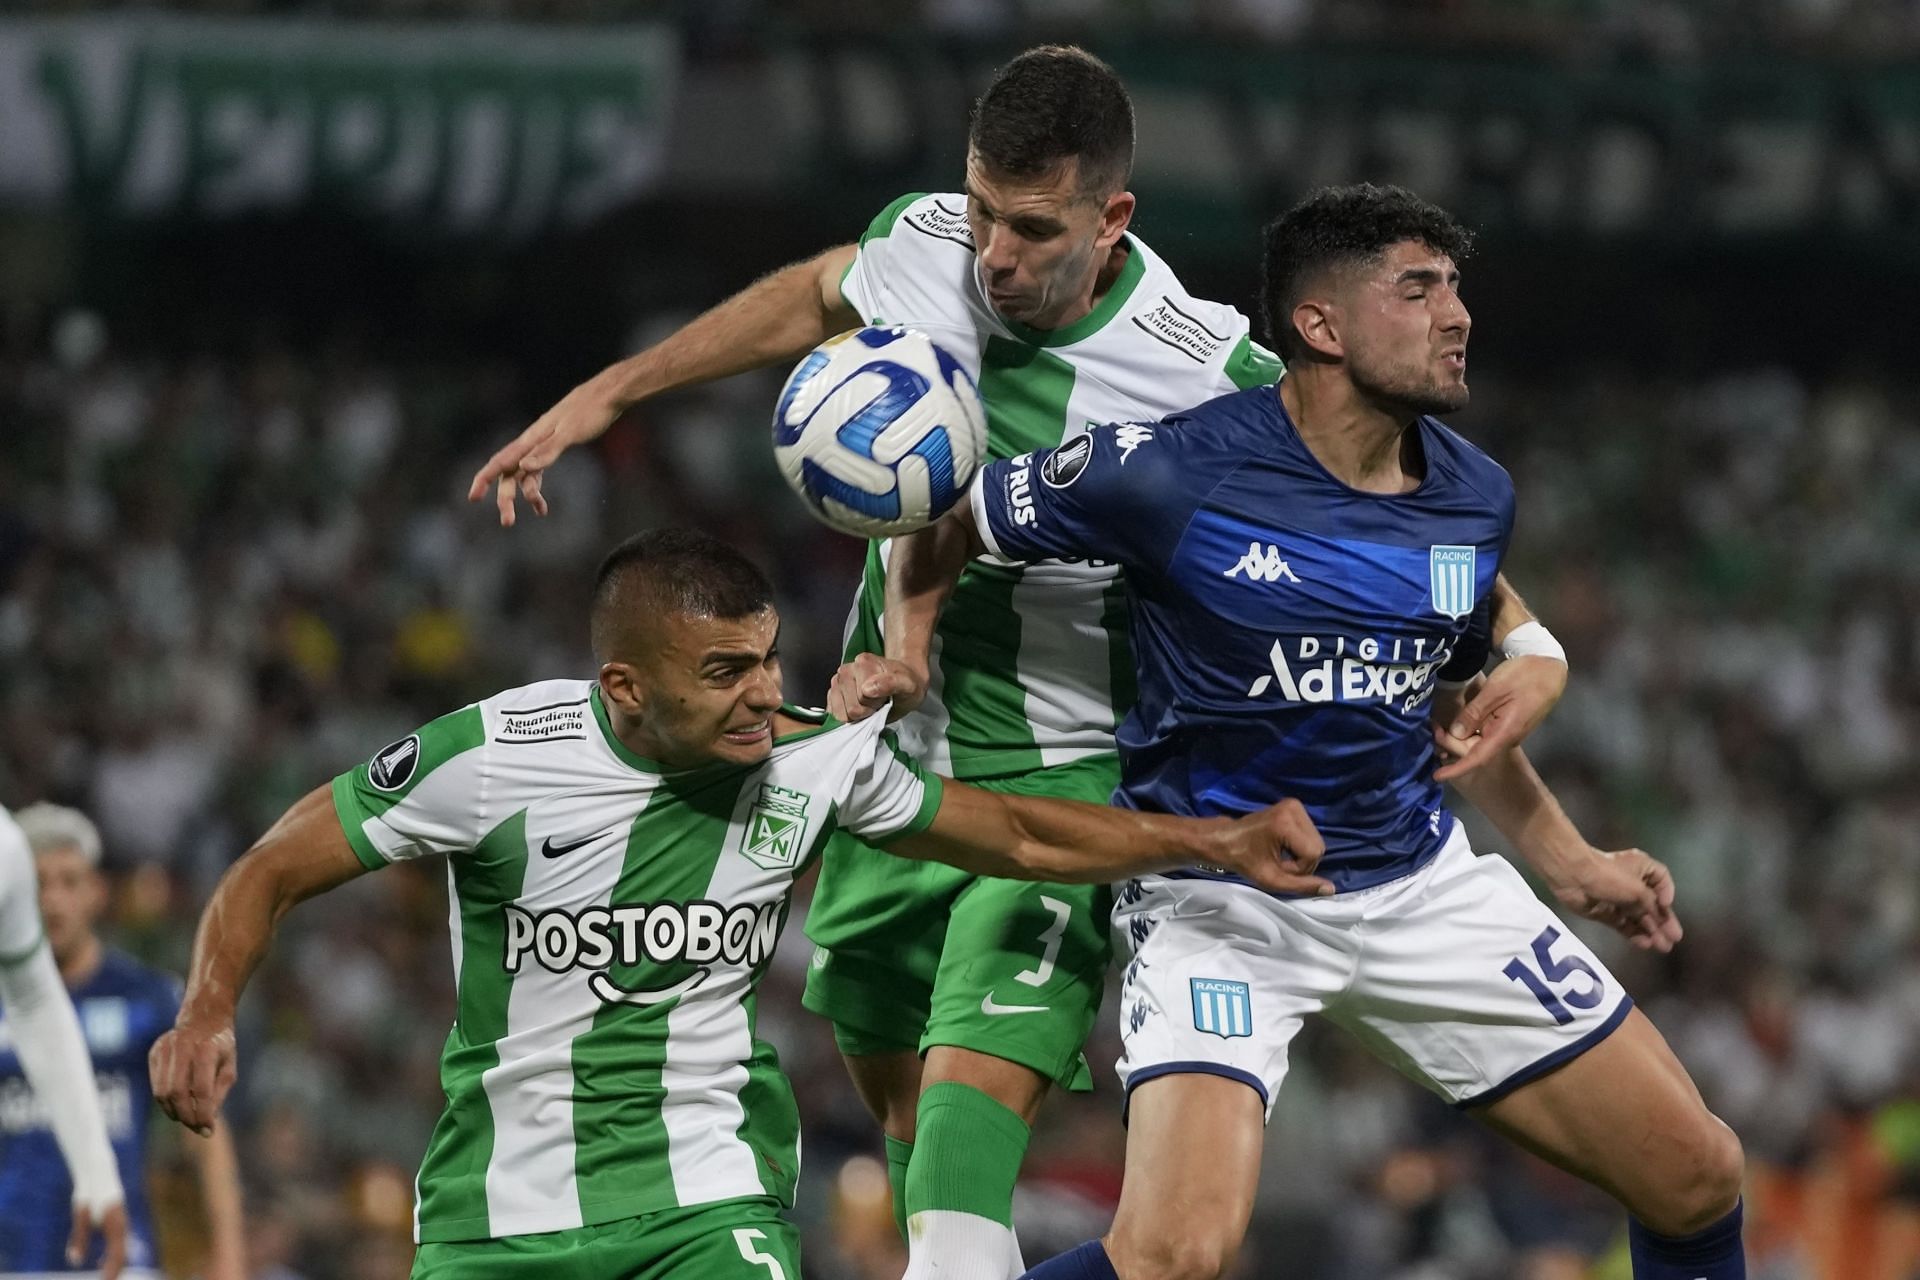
(1031, 665)
(610, 920)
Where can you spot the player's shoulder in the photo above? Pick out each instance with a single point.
(1167, 319)
(15, 853)
(1466, 462)
(545, 711)
(810, 729)
(938, 216)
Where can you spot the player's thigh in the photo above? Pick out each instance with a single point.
(1023, 966)
(878, 924)
(740, 1240)
(888, 1081)
(1193, 1166)
(730, 1240)
(1219, 978)
(1627, 1117)
(1470, 985)
(1023, 974)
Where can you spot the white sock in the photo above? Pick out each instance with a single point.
(945, 1244)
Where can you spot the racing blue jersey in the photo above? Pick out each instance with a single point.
(124, 1007)
(1287, 629)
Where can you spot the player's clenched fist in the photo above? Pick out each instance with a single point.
(193, 1067)
(1276, 848)
(868, 683)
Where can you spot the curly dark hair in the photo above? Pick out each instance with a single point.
(1342, 226)
(1055, 103)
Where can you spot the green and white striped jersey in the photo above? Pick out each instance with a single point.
(610, 921)
(1031, 664)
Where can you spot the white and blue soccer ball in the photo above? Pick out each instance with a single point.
(879, 431)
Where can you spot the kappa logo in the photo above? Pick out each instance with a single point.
(1064, 465)
(775, 826)
(1262, 563)
(1131, 437)
(392, 767)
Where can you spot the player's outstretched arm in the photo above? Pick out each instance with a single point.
(53, 1055)
(777, 318)
(922, 569)
(1516, 697)
(1067, 842)
(1628, 890)
(305, 853)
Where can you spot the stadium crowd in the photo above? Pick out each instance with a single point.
(1578, 29)
(224, 579)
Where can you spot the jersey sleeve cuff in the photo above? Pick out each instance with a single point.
(977, 502)
(351, 815)
(930, 796)
(11, 958)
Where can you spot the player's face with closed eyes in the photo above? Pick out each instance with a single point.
(1039, 243)
(1406, 329)
(705, 693)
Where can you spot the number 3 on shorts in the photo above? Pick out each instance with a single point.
(747, 1238)
(1049, 942)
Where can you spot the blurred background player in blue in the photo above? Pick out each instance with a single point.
(123, 1006)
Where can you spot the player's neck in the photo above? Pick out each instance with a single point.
(78, 966)
(1360, 444)
(1103, 281)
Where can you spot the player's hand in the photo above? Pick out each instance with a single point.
(1627, 890)
(870, 682)
(1276, 848)
(581, 415)
(112, 1226)
(193, 1066)
(1499, 713)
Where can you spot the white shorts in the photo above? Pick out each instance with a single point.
(1457, 975)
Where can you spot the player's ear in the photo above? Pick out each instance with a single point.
(1114, 219)
(622, 687)
(1317, 326)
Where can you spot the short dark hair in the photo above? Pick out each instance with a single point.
(1341, 226)
(1051, 104)
(671, 571)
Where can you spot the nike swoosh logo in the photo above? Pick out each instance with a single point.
(992, 1007)
(548, 849)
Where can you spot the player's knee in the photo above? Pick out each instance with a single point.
(1710, 1169)
(1172, 1255)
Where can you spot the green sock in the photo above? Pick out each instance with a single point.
(967, 1150)
(898, 1154)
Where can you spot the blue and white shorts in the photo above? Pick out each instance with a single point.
(1457, 975)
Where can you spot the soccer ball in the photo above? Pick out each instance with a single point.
(879, 431)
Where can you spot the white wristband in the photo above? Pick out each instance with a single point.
(1532, 640)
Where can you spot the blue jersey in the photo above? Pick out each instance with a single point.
(124, 1007)
(1287, 629)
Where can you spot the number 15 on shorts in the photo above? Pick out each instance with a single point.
(1557, 983)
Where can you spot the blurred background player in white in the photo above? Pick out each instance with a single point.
(124, 1006)
(43, 1034)
(958, 1002)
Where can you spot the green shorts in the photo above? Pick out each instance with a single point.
(727, 1240)
(910, 955)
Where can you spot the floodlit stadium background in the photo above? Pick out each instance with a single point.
(276, 276)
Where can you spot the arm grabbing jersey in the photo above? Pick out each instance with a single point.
(1288, 631)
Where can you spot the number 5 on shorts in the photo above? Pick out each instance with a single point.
(747, 1238)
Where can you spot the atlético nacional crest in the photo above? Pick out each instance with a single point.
(1450, 569)
(776, 827)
